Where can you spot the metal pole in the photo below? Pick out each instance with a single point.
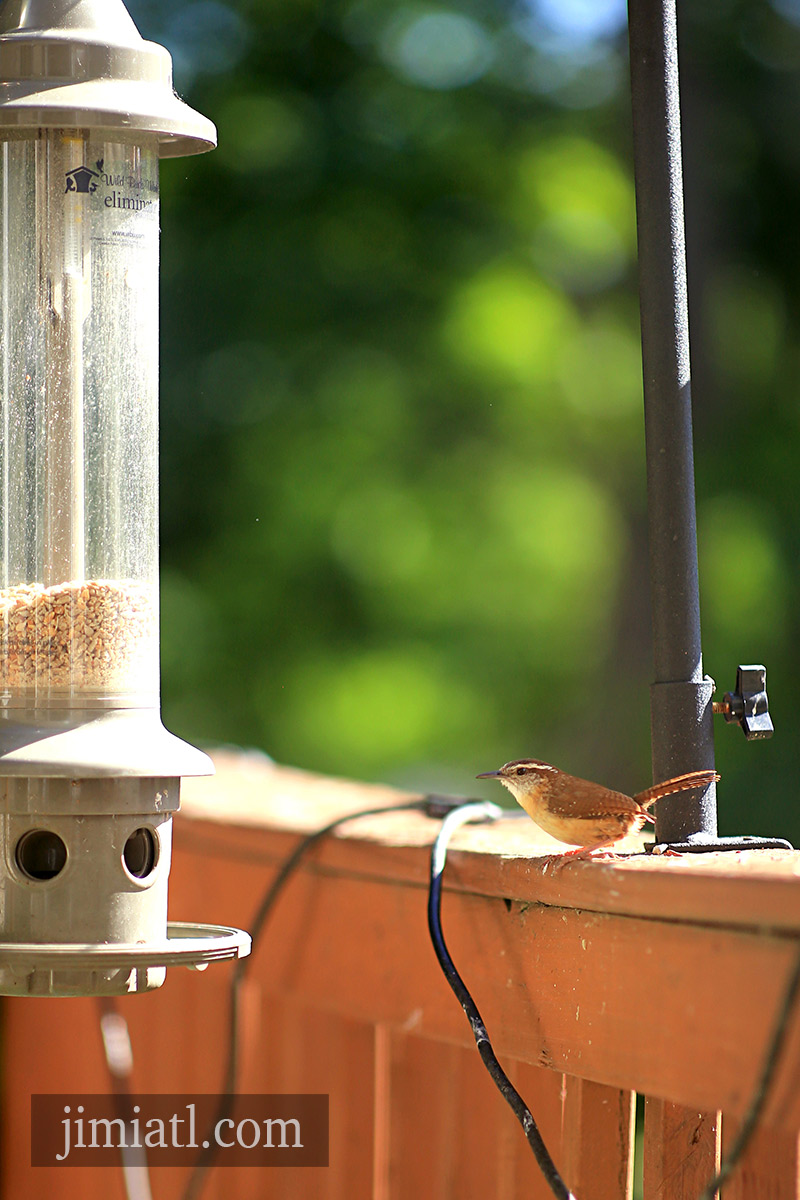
(680, 704)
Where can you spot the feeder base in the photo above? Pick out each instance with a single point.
(114, 969)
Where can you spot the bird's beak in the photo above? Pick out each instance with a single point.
(488, 775)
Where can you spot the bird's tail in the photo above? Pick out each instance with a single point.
(679, 784)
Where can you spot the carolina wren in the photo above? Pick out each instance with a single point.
(581, 813)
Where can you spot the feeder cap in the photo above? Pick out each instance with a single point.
(82, 64)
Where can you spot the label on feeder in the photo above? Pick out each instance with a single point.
(122, 194)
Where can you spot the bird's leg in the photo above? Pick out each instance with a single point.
(585, 852)
(588, 851)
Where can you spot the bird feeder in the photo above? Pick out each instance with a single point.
(89, 777)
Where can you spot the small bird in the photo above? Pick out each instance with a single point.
(579, 812)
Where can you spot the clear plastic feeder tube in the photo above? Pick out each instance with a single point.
(79, 231)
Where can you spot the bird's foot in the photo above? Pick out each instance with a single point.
(559, 861)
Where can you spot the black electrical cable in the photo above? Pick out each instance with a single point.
(205, 1160)
(472, 812)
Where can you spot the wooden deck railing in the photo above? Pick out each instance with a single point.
(657, 976)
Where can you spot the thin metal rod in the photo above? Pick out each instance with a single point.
(682, 729)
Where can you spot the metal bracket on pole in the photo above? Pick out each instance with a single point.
(748, 704)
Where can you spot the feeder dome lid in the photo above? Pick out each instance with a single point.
(82, 64)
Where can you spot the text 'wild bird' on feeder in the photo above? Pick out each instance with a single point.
(89, 777)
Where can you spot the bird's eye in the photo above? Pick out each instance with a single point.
(520, 770)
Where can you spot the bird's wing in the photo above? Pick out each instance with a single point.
(565, 790)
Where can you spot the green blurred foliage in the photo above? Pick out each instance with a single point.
(403, 493)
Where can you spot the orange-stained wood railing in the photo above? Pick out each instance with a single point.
(653, 976)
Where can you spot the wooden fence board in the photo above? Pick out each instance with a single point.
(444, 1122)
(769, 1167)
(544, 1092)
(305, 1050)
(598, 1140)
(49, 1046)
(681, 1150)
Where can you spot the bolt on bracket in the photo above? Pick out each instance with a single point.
(748, 705)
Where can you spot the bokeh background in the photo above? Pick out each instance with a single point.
(403, 492)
